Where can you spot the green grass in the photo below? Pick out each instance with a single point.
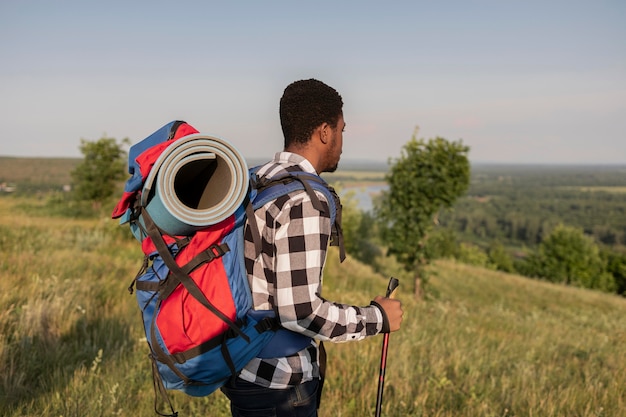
(483, 343)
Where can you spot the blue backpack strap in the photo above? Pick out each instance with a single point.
(279, 186)
(264, 190)
(284, 342)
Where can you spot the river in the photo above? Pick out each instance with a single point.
(364, 195)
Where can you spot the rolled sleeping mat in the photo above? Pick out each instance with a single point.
(196, 182)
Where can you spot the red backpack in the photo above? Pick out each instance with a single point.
(192, 289)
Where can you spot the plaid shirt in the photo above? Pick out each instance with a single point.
(287, 277)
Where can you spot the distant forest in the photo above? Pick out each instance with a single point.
(514, 204)
(519, 204)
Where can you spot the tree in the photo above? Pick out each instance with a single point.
(568, 256)
(96, 177)
(473, 255)
(616, 266)
(428, 177)
(441, 243)
(499, 257)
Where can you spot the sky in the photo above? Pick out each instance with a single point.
(516, 81)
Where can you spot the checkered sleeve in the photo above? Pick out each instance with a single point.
(301, 237)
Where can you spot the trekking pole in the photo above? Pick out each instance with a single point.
(393, 284)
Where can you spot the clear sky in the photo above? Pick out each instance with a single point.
(517, 81)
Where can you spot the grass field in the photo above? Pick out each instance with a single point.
(483, 343)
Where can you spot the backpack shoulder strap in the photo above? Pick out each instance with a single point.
(270, 189)
(264, 190)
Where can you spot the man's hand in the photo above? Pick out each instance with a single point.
(393, 311)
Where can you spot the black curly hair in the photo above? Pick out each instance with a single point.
(305, 105)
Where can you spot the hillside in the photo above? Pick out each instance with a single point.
(483, 343)
(36, 174)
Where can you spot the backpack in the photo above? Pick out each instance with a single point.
(192, 288)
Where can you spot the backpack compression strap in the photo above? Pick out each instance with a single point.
(182, 277)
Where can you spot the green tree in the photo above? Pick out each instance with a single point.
(96, 177)
(428, 177)
(441, 243)
(616, 266)
(473, 255)
(568, 256)
(499, 257)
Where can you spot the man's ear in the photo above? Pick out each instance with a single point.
(324, 130)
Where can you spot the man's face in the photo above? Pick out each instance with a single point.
(335, 146)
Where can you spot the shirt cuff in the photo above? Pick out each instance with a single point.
(385, 328)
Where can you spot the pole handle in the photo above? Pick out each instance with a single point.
(391, 287)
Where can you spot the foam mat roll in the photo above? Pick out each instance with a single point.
(196, 182)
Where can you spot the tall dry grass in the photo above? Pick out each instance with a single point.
(491, 344)
(482, 344)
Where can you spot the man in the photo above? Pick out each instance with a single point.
(286, 276)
